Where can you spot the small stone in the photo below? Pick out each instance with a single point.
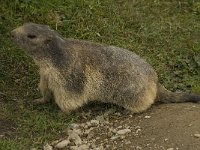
(114, 131)
(118, 114)
(138, 147)
(100, 118)
(74, 126)
(106, 122)
(114, 137)
(123, 131)
(74, 147)
(166, 140)
(97, 138)
(197, 135)
(93, 140)
(94, 122)
(138, 130)
(93, 146)
(88, 124)
(147, 117)
(119, 127)
(82, 125)
(99, 148)
(137, 127)
(55, 142)
(62, 144)
(75, 137)
(83, 147)
(170, 149)
(47, 147)
(78, 131)
(128, 142)
(90, 134)
(127, 126)
(88, 131)
(108, 146)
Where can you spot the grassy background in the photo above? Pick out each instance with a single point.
(165, 33)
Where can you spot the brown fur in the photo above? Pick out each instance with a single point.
(74, 72)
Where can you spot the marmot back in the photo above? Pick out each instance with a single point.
(74, 72)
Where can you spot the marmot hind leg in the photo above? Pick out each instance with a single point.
(145, 99)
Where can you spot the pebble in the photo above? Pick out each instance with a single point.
(114, 131)
(114, 137)
(78, 131)
(147, 117)
(170, 149)
(94, 122)
(47, 147)
(99, 148)
(62, 144)
(88, 124)
(166, 140)
(138, 147)
(55, 142)
(83, 147)
(197, 135)
(74, 147)
(137, 127)
(123, 131)
(88, 131)
(128, 142)
(75, 137)
(74, 126)
(119, 127)
(118, 114)
(138, 130)
(100, 118)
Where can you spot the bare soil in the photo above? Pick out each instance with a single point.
(163, 126)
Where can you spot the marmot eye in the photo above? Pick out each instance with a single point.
(31, 36)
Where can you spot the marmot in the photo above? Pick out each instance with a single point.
(75, 72)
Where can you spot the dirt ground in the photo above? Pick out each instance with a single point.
(162, 127)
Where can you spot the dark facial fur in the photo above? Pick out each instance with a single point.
(32, 38)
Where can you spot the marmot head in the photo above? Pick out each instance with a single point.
(33, 38)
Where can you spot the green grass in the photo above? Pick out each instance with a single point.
(165, 33)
